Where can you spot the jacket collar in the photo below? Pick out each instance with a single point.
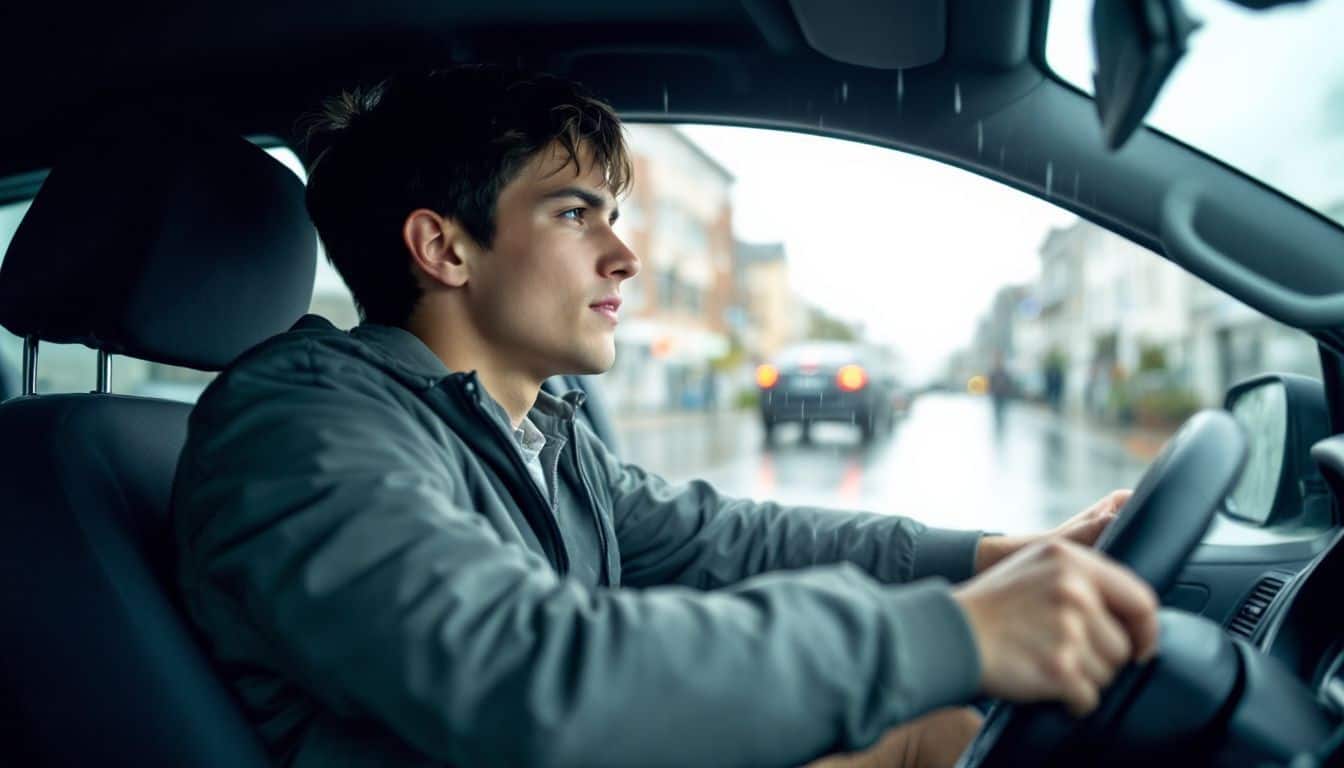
(403, 350)
(416, 364)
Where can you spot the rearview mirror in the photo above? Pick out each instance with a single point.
(1284, 415)
(1136, 43)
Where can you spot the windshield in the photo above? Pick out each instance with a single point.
(1260, 90)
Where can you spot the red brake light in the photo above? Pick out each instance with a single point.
(766, 376)
(852, 378)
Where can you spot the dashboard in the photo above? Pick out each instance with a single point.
(1280, 587)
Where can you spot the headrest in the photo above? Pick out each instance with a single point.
(159, 240)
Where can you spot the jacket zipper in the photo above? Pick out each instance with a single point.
(552, 527)
(592, 504)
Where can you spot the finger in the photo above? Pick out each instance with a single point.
(1098, 628)
(1063, 672)
(1093, 667)
(1128, 598)
(1098, 524)
(1107, 637)
(1083, 610)
(1109, 503)
(1087, 531)
(1119, 498)
(1080, 695)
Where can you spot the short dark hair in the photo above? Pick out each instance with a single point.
(448, 141)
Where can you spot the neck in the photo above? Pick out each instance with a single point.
(514, 389)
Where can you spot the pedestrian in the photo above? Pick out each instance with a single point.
(1054, 382)
(1000, 390)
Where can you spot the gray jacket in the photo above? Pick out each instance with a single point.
(383, 584)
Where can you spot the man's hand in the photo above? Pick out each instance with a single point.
(1086, 526)
(935, 740)
(1083, 528)
(1055, 621)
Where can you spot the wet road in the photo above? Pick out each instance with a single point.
(945, 464)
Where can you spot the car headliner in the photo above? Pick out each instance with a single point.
(981, 100)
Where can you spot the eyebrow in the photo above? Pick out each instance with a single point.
(589, 198)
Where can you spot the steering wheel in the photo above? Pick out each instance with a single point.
(1153, 535)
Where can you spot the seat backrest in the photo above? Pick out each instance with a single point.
(163, 242)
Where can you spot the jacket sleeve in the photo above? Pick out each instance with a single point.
(311, 517)
(691, 535)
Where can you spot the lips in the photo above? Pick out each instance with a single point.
(608, 307)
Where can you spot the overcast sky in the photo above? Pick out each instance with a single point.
(915, 250)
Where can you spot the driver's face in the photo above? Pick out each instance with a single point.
(547, 291)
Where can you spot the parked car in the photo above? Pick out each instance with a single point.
(844, 382)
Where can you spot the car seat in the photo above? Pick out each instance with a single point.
(161, 241)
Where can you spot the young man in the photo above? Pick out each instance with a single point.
(403, 553)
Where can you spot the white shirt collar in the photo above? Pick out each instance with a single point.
(529, 437)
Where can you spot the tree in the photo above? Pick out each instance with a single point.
(1152, 358)
(824, 327)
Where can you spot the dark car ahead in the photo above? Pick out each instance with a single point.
(842, 382)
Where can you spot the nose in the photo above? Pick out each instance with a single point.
(618, 262)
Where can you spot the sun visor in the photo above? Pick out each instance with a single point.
(881, 34)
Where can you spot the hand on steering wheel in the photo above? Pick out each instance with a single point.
(1056, 621)
(1153, 535)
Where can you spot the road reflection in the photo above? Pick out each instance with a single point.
(945, 464)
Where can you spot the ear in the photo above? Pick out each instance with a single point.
(439, 247)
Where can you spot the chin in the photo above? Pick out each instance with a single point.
(593, 366)
(593, 361)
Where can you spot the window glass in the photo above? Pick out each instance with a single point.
(1014, 362)
(11, 349)
(958, 350)
(1262, 90)
(73, 367)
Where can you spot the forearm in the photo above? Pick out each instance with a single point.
(693, 536)
(495, 661)
(775, 670)
(380, 598)
(1083, 528)
(993, 548)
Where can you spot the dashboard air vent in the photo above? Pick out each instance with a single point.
(1247, 618)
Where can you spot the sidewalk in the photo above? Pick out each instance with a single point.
(1140, 443)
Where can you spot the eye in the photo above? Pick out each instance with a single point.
(573, 214)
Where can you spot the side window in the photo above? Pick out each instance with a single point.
(331, 298)
(11, 348)
(73, 367)
(820, 321)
